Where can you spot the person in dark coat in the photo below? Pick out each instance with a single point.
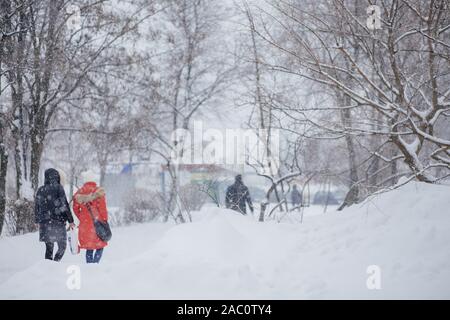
(52, 211)
(296, 197)
(237, 196)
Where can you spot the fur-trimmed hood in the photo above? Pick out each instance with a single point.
(85, 198)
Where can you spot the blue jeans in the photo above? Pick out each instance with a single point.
(94, 258)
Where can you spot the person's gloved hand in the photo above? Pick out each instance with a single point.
(251, 210)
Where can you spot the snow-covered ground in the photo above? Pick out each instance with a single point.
(405, 233)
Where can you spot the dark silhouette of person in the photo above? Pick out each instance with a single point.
(52, 212)
(296, 197)
(237, 196)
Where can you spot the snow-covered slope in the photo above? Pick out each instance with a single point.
(406, 233)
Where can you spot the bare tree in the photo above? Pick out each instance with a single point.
(390, 85)
(191, 77)
(49, 60)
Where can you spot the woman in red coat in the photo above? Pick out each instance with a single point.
(90, 195)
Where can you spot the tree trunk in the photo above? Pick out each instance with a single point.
(394, 172)
(3, 170)
(17, 162)
(262, 211)
(36, 153)
(102, 173)
(266, 202)
(72, 180)
(277, 196)
(373, 173)
(5, 26)
(353, 193)
(171, 204)
(411, 160)
(374, 167)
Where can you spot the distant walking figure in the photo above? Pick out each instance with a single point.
(238, 196)
(51, 212)
(296, 197)
(90, 197)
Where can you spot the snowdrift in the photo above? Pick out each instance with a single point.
(224, 255)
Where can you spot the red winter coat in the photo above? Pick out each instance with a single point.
(90, 194)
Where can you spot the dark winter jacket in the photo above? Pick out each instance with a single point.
(51, 208)
(296, 197)
(237, 196)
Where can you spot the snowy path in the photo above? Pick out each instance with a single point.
(223, 255)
